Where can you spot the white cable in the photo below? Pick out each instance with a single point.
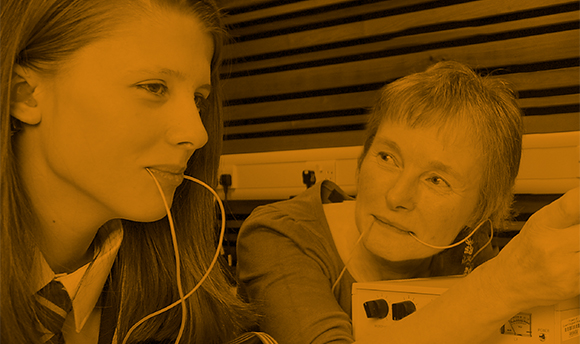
(178, 263)
(487, 243)
(345, 264)
(453, 245)
(422, 242)
(350, 255)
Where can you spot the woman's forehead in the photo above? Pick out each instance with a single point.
(450, 125)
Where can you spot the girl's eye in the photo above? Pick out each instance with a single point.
(155, 88)
(202, 103)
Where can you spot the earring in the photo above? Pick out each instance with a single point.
(467, 260)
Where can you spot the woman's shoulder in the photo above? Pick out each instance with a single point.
(306, 206)
(300, 219)
(295, 218)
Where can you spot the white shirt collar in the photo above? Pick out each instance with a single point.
(85, 284)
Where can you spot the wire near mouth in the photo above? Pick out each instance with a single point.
(390, 224)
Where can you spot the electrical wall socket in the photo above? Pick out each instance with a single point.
(323, 170)
(278, 175)
(549, 164)
(231, 170)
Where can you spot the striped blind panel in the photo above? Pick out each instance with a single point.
(302, 74)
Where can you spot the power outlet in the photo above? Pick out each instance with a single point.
(324, 170)
(232, 171)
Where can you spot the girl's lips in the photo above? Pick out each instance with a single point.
(173, 169)
(174, 177)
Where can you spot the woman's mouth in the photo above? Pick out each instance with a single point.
(390, 225)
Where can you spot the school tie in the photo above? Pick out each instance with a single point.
(55, 305)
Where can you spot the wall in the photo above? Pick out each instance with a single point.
(300, 74)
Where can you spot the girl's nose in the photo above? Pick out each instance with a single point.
(186, 127)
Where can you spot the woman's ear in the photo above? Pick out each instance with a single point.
(24, 106)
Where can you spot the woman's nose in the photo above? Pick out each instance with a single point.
(186, 127)
(402, 193)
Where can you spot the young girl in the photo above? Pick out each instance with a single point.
(106, 106)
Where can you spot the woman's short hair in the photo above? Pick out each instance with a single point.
(450, 95)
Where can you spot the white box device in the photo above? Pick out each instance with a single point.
(375, 304)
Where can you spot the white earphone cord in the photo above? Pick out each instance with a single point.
(420, 241)
(459, 242)
(182, 297)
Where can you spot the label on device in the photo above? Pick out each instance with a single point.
(570, 328)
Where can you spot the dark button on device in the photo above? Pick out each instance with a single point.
(402, 309)
(376, 308)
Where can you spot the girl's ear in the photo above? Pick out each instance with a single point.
(24, 106)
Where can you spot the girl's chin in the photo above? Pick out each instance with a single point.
(151, 217)
(151, 214)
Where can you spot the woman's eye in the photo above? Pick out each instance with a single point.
(438, 181)
(384, 156)
(156, 88)
(385, 159)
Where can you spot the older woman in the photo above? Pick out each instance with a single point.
(435, 177)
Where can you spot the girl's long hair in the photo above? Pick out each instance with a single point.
(40, 34)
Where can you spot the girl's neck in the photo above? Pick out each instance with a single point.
(68, 218)
(65, 249)
(67, 228)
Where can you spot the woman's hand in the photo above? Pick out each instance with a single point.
(541, 265)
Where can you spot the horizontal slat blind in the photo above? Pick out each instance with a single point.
(302, 74)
